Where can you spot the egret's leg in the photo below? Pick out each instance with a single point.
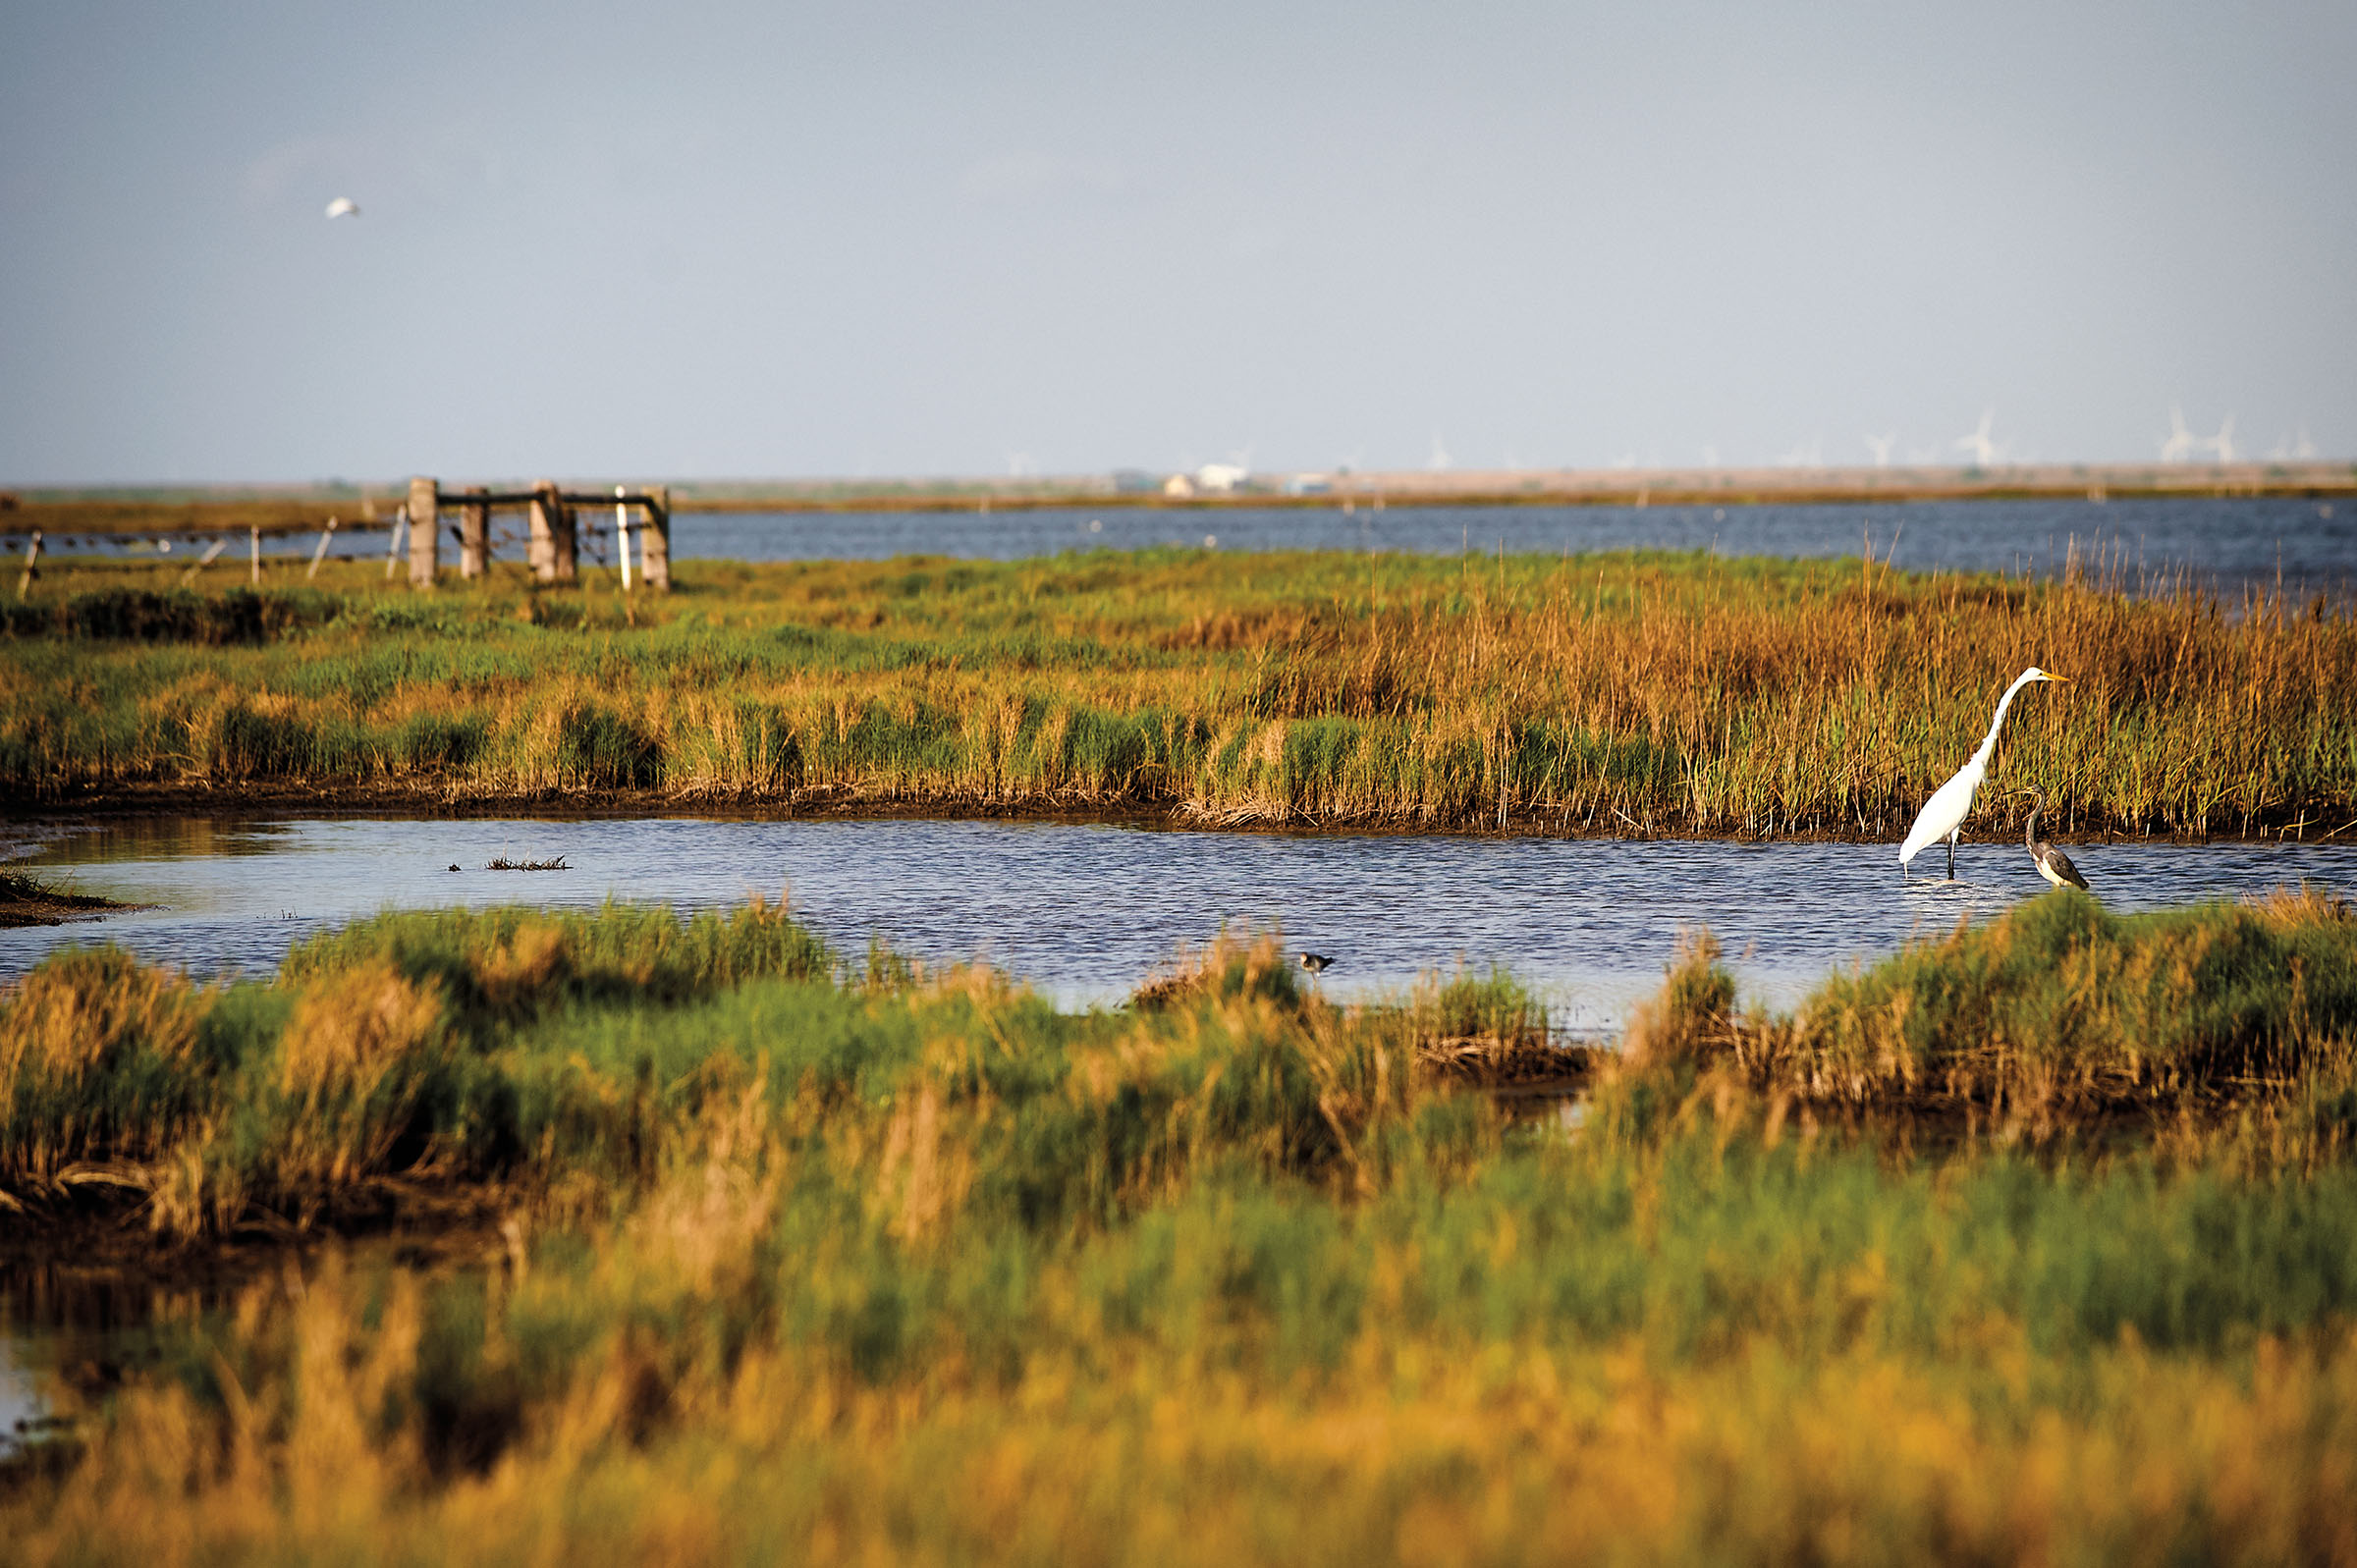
(1952, 854)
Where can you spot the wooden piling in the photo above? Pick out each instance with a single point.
(254, 555)
(425, 531)
(32, 554)
(474, 536)
(654, 541)
(555, 548)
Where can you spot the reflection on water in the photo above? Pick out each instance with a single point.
(21, 1403)
(1086, 911)
(78, 1328)
(85, 1326)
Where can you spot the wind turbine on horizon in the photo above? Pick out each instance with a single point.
(2179, 447)
(2224, 441)
(1982, 447)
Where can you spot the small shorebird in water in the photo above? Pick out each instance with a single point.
(1317, 963)
(2052, 864)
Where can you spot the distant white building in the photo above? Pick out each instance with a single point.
(1219, 478)
(1178, 487)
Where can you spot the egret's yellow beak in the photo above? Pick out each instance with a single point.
(2059, 677)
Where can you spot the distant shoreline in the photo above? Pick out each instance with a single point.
(300, 509)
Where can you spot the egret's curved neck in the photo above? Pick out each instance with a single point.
(1979, 758)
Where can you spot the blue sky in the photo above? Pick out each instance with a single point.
(705, 241)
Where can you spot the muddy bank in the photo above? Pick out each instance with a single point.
(29, 901)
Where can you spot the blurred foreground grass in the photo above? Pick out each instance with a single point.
(2038, 1244)
(1672, 692)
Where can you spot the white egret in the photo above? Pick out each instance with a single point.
(2051, 863)
(1942, 816)
(342, 207)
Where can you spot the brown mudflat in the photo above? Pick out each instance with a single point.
(28, 902)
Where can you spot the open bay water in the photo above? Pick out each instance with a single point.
(2225, 543)
(1085, 913)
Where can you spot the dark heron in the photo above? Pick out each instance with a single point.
(1316, 963)
(2052, 864)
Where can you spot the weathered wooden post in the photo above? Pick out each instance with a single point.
(212, 552)
(474, 536)
(654, 540)
(254, 538)
(425, 531)
(556, 542)
(32, 554)
(320, 554)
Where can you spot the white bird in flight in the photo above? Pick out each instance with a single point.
(1942, 816)
(342, 207)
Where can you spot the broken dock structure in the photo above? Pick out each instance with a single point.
(553, 544)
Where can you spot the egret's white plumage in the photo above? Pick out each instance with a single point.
(342, 207)
(1942, 816)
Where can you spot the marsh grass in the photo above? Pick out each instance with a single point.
(2217, 1037)
(1604, 693)
(820, 1260)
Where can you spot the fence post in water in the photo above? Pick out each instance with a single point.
(474, 536)
(32, 553)
(425, 531)
(320, 554)
(654, 540)
(254, 553)
(556, 542)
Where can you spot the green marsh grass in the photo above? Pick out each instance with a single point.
(805, 1259)
(1587, 693)
(2053, 1017)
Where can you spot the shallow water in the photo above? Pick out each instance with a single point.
(1085, 912)
(2226, 541)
